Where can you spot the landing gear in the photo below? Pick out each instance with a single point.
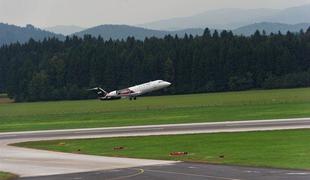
(132, 98)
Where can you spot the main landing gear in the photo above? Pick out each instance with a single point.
(132, 98)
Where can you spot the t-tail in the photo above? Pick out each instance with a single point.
(100, 92)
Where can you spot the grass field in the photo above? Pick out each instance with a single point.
(245, 105)
(281, 149)
(7, 176)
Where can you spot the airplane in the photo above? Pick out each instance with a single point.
(131, 92)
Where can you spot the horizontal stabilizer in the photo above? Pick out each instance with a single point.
(100, 92)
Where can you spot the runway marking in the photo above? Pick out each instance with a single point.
(189, 174)
(252, 171)
(113, 131)
(298, 173)
(140, 171)
(192, 167)
(261, 124)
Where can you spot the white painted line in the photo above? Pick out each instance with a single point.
(298, 173)
(252, 172)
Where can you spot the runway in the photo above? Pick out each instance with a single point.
(214, 127)
(32, 163)
(184, 171)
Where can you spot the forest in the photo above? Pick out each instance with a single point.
(54, 69)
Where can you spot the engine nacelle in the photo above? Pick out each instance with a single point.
(109, 98)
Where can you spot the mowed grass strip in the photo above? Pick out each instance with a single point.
(246, 105)
(279, 149)
(7, 176)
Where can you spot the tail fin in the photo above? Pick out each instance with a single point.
(100, 92)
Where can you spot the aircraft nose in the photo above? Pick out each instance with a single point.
(168, 83)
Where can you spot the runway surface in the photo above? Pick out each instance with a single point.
(233, 126)
(184, 171)
(30, 162)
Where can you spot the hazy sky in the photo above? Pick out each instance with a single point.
(88, 13)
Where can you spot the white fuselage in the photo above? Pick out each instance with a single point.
(137, 90)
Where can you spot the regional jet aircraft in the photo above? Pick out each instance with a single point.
(131, 92)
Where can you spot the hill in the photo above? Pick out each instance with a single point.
(294, 15)
(270, 28)
(123, 31)
(234, 18)
(65, 30)
(218, 19)
(12, 33)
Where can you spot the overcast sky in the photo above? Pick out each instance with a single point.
(86, 13)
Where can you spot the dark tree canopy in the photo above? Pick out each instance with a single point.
(55, 70)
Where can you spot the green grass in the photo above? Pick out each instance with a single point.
(280, 149)
(245, 105)
(7, 176)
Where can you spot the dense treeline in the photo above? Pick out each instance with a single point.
(53, 69)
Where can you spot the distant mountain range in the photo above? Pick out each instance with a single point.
(65, 30)
(234, 18)
(123, 31)
(240, 21)
(270, 28)
(12, 33)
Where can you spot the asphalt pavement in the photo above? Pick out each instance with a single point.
(40, 164)
(185, 171)
(190, 128)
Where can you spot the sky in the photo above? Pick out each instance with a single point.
(87, 13)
